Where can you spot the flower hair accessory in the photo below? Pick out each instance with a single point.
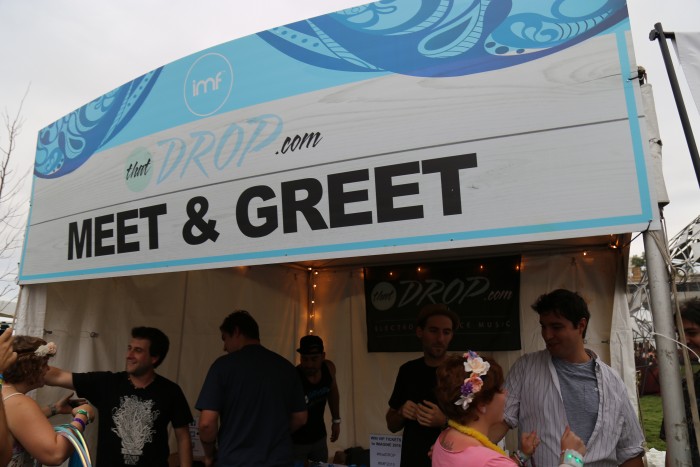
(46, 349)
(476, 367)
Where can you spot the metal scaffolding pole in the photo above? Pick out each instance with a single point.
(659, 33)
(675, 423)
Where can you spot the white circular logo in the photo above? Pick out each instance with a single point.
(208, 84)
(383, 296)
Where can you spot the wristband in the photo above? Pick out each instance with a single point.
(82, 423)
(572, 458)
(2, 380)
(337, 420)
(84, 412)
(53, 410)
(521, 457)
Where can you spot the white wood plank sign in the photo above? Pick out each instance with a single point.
(391, 127)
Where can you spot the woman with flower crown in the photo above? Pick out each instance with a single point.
(470, 392)
(33, 437)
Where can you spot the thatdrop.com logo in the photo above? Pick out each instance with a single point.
(208, 84)
(383, 296)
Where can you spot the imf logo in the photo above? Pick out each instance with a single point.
(208, 84)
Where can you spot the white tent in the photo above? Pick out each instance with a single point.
(90, 322)
(200, 193)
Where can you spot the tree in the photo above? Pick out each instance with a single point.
(12, 204)
(638, 261)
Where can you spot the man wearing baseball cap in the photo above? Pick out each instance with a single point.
(318, 377)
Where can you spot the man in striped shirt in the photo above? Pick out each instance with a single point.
(568, 385)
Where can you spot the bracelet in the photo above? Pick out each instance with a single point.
(53, 410)
(84, 412)
(572, 458)
(2, 380)
(521, 457)
(82, 423)
(337, 420)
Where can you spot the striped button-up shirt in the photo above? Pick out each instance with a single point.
(535, 403)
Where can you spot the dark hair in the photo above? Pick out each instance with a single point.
(160, 344)
(28, 367)
(242, 320)
(450, 377)
(565, 303)
(690, 310)
(435, 309)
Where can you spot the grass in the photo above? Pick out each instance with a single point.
(652, 416)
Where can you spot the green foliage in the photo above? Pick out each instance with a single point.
(638, 261)
(652, 417)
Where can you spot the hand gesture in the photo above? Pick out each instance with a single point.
(529, 442)
(409, 410)
(429, 414)
(7, 355)
(65, 404)
(569, 440)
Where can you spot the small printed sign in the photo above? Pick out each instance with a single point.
(385, 450)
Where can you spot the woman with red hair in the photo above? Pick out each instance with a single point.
(33, 437)
(470, 393)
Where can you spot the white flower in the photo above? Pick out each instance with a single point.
(476, 365)
(46, 349)
(464, 401)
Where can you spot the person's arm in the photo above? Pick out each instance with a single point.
(634, 462)
(5, 438)
(498, 431)
(7, 358)
(395, 419)
(334, 404)
(184, 446)
(57, 377)
(63, 406)
(208, 429)
(298, 419)
(33, 431)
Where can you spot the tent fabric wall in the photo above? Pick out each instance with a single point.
(190, 306)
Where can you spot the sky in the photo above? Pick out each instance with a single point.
(68, 52)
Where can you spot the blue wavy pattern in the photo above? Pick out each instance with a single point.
(67, 143)
(435, 38)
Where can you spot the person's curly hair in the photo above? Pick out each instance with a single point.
(450, 377)
(28, 367)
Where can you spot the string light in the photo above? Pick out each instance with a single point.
(311, 321)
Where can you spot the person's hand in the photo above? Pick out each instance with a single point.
(65, 404)
(209, 461)
(7, 355)
(569, 440)
(409, 410)
(86, 407)
(429, 414)
(529, 442)
(335, 432)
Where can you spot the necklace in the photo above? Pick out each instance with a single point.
(476, 435)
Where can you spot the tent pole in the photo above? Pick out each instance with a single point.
(658, 33)
(678, 450)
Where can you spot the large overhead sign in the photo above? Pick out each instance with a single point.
(391, 127)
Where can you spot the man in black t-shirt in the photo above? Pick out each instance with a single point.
(413, 405)
(318, 378)
(135, 406)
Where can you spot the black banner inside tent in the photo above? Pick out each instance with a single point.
(485, 293)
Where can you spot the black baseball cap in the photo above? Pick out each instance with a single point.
(310, 345)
